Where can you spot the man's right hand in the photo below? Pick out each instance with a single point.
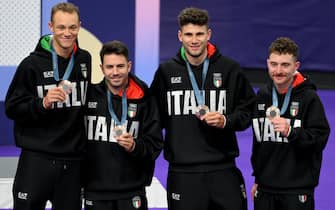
(55, 94)
(253, 191)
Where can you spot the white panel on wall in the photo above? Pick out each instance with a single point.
(20, 29)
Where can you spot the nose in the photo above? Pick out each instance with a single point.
(115, 71)
(67, 32)
(194, 39)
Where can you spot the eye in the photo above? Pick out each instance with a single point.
(60, 27)
(273, 64)
(73, 28)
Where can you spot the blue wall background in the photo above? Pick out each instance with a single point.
(243, 29)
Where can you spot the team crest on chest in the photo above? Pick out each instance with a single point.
(83, 68)
(132, 110)
(294, 108)
(217, 79)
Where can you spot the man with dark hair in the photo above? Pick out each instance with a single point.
(124, 136)
(46, 100)
(290, 132)
(204, 98)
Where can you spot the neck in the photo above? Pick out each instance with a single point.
(196, 61)
(283, 88)
(116, 89)
(65, 53)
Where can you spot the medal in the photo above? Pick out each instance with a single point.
(66, 85)
(272, 112)
(119, 130)
(201, 110)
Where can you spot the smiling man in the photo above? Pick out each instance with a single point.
(290, 132)
(46, 100)
(204, 98)
(124, 136)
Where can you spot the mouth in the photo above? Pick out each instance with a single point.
(195, 48)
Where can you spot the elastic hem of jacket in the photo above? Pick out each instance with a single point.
(52, 156)
(267, 189)
(202, 167)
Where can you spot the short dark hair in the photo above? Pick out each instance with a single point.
(114, 47)
(65, 7)
(284, 45)
(194, 16)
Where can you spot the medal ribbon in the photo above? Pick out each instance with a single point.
(55, 65)
(124, 108)
(286, 99)
(198, 95)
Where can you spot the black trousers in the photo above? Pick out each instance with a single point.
(276, 201)
(217, 190)
(39, 179)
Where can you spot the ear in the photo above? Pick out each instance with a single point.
(129, 66)
(180, 35)
(209, 31)
(267, 62)
(50, 27)
(297, 65)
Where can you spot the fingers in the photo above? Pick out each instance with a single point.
(280, 124)
(214, 119)
(254, 191)
(56, 94)
(126, 141)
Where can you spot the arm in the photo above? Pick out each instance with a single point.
(243, 103)
(22, 102)
(158, 92)
(150, 143)
(314, 131)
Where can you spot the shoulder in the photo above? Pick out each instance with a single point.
(84, 53)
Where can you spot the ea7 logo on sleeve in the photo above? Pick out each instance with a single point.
(175, 80)
(48, 74)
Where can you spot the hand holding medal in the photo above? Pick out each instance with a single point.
(126, 141)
